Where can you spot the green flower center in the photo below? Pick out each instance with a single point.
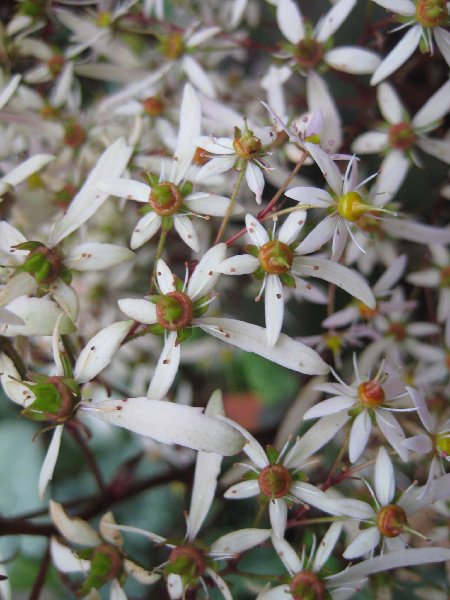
(431, 13)
(371, 394)
(275, 481)
(351, 206)
(188, 562)
(165, 199)
(106, 564)
(174, 311)
(246, 144)
(391, 520)
(306, 585)
(401, 136)
(275, 257)
(308, 53)
(44, 264)
(56, 399)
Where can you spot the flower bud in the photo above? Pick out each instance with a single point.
(246, 145)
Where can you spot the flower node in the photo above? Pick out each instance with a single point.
(44, 264)
(306, 585)
(398, 331)
(401, 136)
(365, 311)
(276, 257)
(442, 444)
(308, 53)
(153, 106)
(187, 561)
(165, 199)
(371, 394)
(391, 520)
(174, 311)
(172, 46)
(351, 207)
(445, 277)
(55, 64)
(432, 13)
(74, 135)
(246, 145)
(275, 481)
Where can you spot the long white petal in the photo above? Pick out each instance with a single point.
(405, 8)
(350, 281)
(442, 37)
(170, 423)
(206, 203)
(290, 21)
(88, 200)
(185, 229)
(27, 168)
(39, 316)
(174, 586)
(292, 226)
(331, 406)
(22, 284)
(94, 256)
(99, 350)
(359, 435)
(10, 380)
(392, 431)
(243, 264)
(145, 229)
(166, 369)
(334, 18)
(398, 55)
(165, 277)
(239, 541)
(220, 584)
(278, 516)
(190, 116)
(287, 352)
(319, 98)
(65, 560)
(309, 195)
(139, 573)
(252, 448)
(139, 310)
(384, 477)
(416, 232)
(370, 143)
(73, 529)
(281, 592)
(205, 275)
(391, 106)
(66, 297)
(274, 308)
(244, 489)
(327, 166)
(351, 59)
(48, 466)
(435, 108)
(319, 236)
(125, 188)
(198, 76)
(9, 89)
(116, 591)
(255, 180)
(363, 543)
(256, 231)
(287, 554)
(326, 546)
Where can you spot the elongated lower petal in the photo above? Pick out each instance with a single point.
(73, 529)
(49, 463)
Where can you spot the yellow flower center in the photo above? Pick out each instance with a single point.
(371, 394)
(351, 206)
(431, 13)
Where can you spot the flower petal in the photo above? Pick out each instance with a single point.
(384, 477)
(125, 188)
(292, 226)
(66, 297)
(244, 489)
(398, 55)
(39, 316)
(352, 59)
(326, 546)
(391, 107)
(166, 369)
(290, 21)
(327, 166)
(145, 229)
(189, 130)
(94, 256)
(359, 435)
(139, 310)
(205, 274)
(206, 203)
(185, 229)
(65, 560)
(48, 466)
(256, 231)
(287, 555)
(365, 542)
(243, 264)
(278, 516)
(334, 18)
(239, 541)
(255, 180)
(274, 308)
(73, 529)
(198, 76)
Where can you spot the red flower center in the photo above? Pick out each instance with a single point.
(174, 311)
(165, 199)
(390, 520)
(275, 481)
(306, 585)
(371, 394)
(275, 257)
(401, 136)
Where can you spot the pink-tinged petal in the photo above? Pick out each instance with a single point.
(405, 8)
(207, 469)
(330, 406)
(99, 351)
(371, 142)
(174, 586)
(165, 277)
(139, 310)
(65, 560)
(416, 232)
(257, 233)
(287, 555)
(393, 170)
(315, 197)
(278, 516)
(252, 448)
(10, 380)
(201, 36)
(327, 166)
(341, 318)
(73, 529)
(145, 229)
(239, 541)
(166, 369)
(350, 281)
(48, 466)
(140, 574)
(243, 264)
(334, 18)
(292, 226)
(39, 316)
(384, 477)
(391, 107)
(205, 276)
(319, 236)
(359, 435)
(219, 583)
(185, 229)
(198, 76)
(398, 55)
(421, 444)
(190, 118)
(244, 489)
(437, 148)
(169, 423)
(364, 543)
(255, 180)
(290, 21)
(434, 109)
(392, 432)
(326, 546)
(391, 276)
(116, 592)
(442, 37)
(252, 338)
(22, 284)
(94, 256)
(315, 438)
(274, 308)
(88, 200)
(425, 278)
(320, 99)
(206, 203)
(352, 59)
(281, 592)
(390, 560)
(125, 188)
(66, 297)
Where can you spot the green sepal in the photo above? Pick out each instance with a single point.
(186, 188)
(252, 249)
(179, 284)
(47, 400)
(300, 476)
(355, 411)
(288, 280)
(156, 329)
(66, 275)
(167, 223)
(373, 417)
(154, 299)
(272, 454)
(250, 475)
(200, 306)
(29, 246)
(86, 553)
(183, 334)
(98, 575)
(152, 179)
(67, 366)
(143, 210)
(259, 273)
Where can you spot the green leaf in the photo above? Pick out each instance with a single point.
(274, 384)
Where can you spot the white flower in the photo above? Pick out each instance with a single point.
(275, 259)
(426, 20)
(365, 399)
(276, 477)
(96, 550)
(23, 171)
